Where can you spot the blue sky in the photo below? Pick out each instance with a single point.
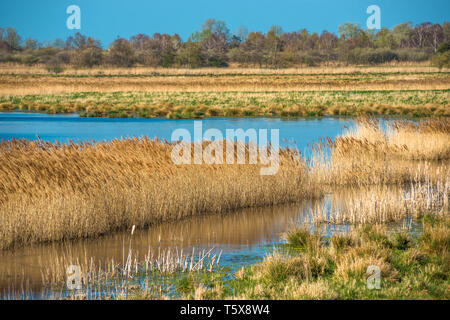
(108, 19)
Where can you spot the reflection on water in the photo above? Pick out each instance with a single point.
(244, 237)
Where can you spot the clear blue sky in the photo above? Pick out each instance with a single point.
(108, 19)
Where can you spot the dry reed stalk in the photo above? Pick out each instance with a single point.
(384, 204)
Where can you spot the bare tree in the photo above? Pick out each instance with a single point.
(121, 53)
(436, 35)
(12, 38)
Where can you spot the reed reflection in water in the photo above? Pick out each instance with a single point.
(244, 236)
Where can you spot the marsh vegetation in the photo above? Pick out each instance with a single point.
(53, 191)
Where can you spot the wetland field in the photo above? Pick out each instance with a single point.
(88, 181)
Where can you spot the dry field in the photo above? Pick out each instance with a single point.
(415, 91)
(11, 68)
(22, 84)
(407, 90)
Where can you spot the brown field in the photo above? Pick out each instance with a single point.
(331, 68)
(369, 155)
(39, 84)
(413, 91)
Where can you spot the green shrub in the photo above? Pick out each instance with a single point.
(413, 55)
(377, 56)
(401, 241)
(441, 60)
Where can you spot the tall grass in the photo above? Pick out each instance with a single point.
(20, 84)
(385, 153)
(53, 191)
(383, 203)
(320, 266)
(380, 172)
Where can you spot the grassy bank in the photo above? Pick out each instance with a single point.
(286, 104)
(413, 265)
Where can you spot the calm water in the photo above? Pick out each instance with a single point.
(297, 132)
(244, 237)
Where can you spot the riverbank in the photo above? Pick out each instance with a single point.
(188, 105)
(411, 265)
(230, 92)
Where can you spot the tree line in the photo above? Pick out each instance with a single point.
(215, 46)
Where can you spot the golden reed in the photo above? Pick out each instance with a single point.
(53, 191)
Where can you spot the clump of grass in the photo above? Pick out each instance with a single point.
(402, 241)
(303, 239)
(342, 242)
(412, 267)
(436, 236)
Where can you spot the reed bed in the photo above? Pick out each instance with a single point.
(111, 279)
(384, 171)
(53, 191)
(427, 140)
(114, 279)
(384, 204)
(376, 152)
